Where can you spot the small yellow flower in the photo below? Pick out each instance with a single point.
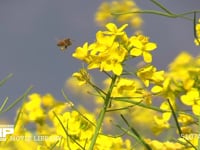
(102, 42)
(149, 74)
(166, 145)
(113, 30)
(33, 108)
(113, 59)
(106, 10)
(162, 122)
(192, 98)
(160, 125)
(82, 76)
(82, 53)
(186, 130)
(197, 41)
(183, 59)
(185, 119)
(142, 48)
(48, 100)
(107, 53)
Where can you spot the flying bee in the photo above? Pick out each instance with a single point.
(64, 43)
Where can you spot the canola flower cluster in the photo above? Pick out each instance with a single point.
(133, 109)
(113, 47)
(105, 10)
(53, 119)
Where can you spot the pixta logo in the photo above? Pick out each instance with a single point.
(5, 130)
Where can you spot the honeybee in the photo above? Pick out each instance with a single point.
(64, 43)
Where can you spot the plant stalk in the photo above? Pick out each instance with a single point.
(102, 113)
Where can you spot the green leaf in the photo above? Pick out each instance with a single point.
(6, 79)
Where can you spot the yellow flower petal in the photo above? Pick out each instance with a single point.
(136, 52)
(186, 100)
(196, 109)
(111, 27)
(123, 27)
(147, 57)
(156, 89)
(81, 52)
(150, 46)
(190, 97)
(137, 43)
(118, 69)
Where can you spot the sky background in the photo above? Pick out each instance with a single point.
(29, 30)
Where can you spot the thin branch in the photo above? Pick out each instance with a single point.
(66, 132)
(177, 124)
(161, 6)
(136, 133)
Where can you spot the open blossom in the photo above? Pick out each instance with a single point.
(82, 76)
(82, 53)
(112, 47)
(192, 98)
(33, 108)
(106, 53)
(107, 10)
(142, 47)
(113, 30)
(150, 74)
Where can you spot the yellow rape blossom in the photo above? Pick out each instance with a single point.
(162, 122)
(48, 100)
(185, 119)
(180, 70)
(110, 143)
(77, 127)
(113, 30)
(192, 98)
(141, 46)
(197, 27)
(105, 10)
(183, 59)
(126, 87)
(33, 108)
(106, 53)
(82, 53)
(158, 145)
(110, 60)
(192, 138)
(149, 74)
(160, 125)
(103, 42)
(82, 76)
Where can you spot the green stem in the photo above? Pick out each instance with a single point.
(159, 13)
(102, 113)
(161, 6)
(145, 12)
(21, 98)
(131, 101)
(4, 104)
(178, 126)
(6, 79)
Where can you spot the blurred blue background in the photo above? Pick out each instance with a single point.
(29, 31)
